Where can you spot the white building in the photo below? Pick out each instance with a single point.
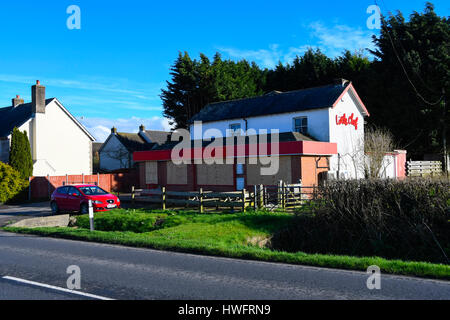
(117, 151)
(59, 143)
(332, 113)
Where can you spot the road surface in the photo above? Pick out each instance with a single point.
(131, 273)
(10, 214)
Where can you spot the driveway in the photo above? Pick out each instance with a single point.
(14, 213)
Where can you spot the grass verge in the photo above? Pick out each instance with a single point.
(188, 239)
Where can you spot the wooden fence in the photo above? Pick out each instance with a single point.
(283, 196)
(424, 168)
(201, 199)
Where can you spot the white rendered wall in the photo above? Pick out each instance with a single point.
(114, 155)
(284, 122)
(62, 147)
(350, 141)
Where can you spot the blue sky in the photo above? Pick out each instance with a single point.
(111, 71)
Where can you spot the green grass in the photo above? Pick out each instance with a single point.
(226, 235)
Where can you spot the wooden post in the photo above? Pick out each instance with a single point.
(255, 198)
(280, 193)
(261, 196)
(283, 186)
(132, 197)
(163, 194)
(200, 201)
(243, 199)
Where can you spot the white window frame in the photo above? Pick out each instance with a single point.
(306, 127)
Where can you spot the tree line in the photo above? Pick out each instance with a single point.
(404, 84)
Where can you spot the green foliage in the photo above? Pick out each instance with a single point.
(20, 154)
(407, 220)
(12, 185)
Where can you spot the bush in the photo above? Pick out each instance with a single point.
(393, 219)
(121, 220)
(20, 155)
(12, 186)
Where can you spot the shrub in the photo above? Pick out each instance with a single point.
(20, 156)
(393, 219)
(122, 220)
(12, 186)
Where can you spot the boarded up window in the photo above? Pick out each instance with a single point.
(215, 174)
(254, 176)
(151, 172)
(176, 174)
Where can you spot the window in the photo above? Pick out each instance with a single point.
(93, 191)
(74, 191)
(63, 190)
(239, 168)
(236, 127)
(301, 125)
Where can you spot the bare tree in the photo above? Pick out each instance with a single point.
(121, 155)
(377, 143)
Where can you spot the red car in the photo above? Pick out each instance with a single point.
(76, 198)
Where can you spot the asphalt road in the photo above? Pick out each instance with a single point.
(10, 214)
(129, 273)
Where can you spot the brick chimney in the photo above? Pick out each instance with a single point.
(38, 98)
(142, 128)
(17, 101)
(114, 130)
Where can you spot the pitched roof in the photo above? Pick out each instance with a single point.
(158, 137)
(132, 141)
(273, 103)
(11, 117)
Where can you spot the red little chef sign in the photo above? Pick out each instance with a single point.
(347, 121)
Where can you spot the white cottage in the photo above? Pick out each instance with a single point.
(332, 113)
(59, 143)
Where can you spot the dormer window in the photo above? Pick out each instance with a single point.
(301, 125)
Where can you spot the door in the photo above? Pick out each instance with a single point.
(61, 197)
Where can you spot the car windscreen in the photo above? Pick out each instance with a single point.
(92, 191)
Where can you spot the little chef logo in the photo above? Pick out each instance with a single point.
(344, 120)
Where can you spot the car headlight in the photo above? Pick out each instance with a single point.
(97, 202)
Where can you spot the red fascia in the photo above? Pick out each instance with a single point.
(285, 148)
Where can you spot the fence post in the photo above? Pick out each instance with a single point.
(243, 199)
(279, 193)
(163, 194)
(48, 186)
(132, 197)
(255, 198)
(67, 179)
(200, 200)
(82, 178)
(98, 179)
(261, 196)
(283, 186)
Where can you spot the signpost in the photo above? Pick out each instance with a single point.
(91, 215)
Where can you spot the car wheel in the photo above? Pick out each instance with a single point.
(55, 208)
(84, 208)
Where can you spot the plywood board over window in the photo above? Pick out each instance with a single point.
(176, 174)
(284, 173)
(215, 174)
(151, 172)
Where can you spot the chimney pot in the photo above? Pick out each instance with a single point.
(142, 128)
(113, 130)
(38, 82)
(341, 82)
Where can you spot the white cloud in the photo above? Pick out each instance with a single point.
(334, 40)
(100, 128)
(331, 40)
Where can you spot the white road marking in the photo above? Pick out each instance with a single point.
(43, 285)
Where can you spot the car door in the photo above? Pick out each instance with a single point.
(61, 197)
(73, 199)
